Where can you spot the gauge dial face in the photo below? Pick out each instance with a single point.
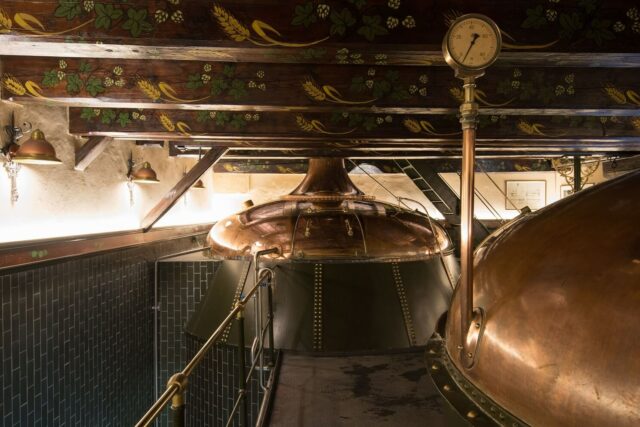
(473, 43)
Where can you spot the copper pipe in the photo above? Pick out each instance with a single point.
(469, 113)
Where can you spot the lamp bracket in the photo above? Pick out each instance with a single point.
(14, 133)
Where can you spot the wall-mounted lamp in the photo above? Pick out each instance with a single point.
(35, 151)
(143, 175)
(199, 185)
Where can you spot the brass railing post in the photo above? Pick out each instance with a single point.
(177, 401)
(178, 382)
(242, 381)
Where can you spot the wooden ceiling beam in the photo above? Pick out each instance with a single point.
(172, 196)
(300, 29)
(286, 127)
(202, 86)
(90, 150)
(397, 55)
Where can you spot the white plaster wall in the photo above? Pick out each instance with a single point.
(60, 201)
(494, 191)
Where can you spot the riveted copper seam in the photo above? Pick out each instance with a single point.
(236, 297)
(317, 307)
(404, 304)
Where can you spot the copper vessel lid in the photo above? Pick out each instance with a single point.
(36, 150)
(327, 217)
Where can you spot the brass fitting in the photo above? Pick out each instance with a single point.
(180, 380)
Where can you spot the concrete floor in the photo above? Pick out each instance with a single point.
(377, 390)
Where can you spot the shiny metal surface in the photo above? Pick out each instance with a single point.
(468, 120)
(560, 291)
(36, 151)
(145, 175)
(326, 217)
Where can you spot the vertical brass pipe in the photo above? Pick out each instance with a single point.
(468, 120)
(242, 385)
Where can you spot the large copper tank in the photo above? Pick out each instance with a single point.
(559, 340)
(352, 273)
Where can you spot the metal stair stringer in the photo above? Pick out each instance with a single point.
(438, 192)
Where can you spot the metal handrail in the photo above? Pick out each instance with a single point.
(178, 382)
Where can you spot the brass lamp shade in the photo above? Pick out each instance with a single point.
(145, 175)
(199, 185)
(36, 151)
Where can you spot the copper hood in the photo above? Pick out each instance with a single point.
(327, 217)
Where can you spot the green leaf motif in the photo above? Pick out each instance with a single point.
(68, 9)
(304, 14)
(123, 119)
(238, 121)
(94, 86)
(218, 85)
(237, 90)
(50, 78)
(599, 31)
(371, 27)
(74, 83)
(203, 116)
(87, 114)
(84, 67)
(136, 23)
(222, 117)
(229, 70)
(107, 116)
(381, 88)
(535, 18)
(105, 15)
(194, 81)
(399, 94)
(570, 23)
(369, 123)
(340, 21)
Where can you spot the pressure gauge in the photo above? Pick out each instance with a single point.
(472, 43)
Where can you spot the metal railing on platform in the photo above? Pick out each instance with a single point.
(177, 384)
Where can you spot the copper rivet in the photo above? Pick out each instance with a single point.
(469, 355)
(435, 367)
(446, 387)
(472, 414)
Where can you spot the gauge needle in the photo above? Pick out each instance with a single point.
(475, 37)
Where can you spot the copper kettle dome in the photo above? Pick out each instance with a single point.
(559, 343)
(327, 217)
